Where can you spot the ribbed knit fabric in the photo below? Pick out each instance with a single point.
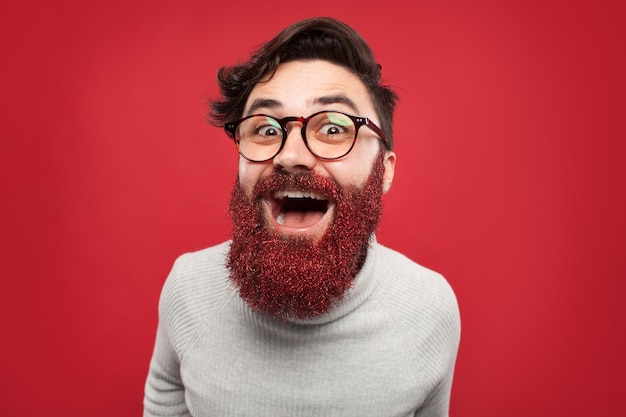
(388, 349)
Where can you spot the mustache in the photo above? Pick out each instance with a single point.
(300, 181)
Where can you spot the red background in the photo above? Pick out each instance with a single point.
(510, 141)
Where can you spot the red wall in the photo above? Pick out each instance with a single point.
(510, 140)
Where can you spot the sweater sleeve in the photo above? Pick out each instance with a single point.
(164, 390)
(446, 332)
(445, 336)
(188, 295)
(438, 402)
(164, 393)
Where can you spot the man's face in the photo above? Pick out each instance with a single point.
(301, 88)
(301, 226)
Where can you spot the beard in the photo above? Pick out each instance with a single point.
(295, 276)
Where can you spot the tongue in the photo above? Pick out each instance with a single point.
(294, 218)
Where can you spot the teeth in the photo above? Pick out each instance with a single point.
(281, 219)
(298, 194)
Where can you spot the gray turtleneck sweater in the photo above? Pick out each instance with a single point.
(388, 349)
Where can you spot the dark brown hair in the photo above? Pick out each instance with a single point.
(315, 38)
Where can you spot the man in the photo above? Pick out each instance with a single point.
(303, 313)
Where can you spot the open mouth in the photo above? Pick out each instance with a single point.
(298, 209)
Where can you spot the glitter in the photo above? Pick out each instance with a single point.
(296, 277)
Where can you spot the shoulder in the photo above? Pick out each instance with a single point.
(196, 272)
(191, 263)
(196, 286)
(406, 274)
(421, 298)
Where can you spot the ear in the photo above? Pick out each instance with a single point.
(390, 165)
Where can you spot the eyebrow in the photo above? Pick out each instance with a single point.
(263, 103)
(268, 103)
(340, 99)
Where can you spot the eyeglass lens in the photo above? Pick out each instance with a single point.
(328, 135)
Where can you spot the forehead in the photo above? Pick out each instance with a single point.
(303, 87)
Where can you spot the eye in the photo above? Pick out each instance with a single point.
(267, 130)
(264, 127)
(331, 129)
(260, 127)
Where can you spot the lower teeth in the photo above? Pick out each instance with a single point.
(281, 219)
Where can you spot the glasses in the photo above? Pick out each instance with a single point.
(327, 134)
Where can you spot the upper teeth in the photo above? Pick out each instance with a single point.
(298, 194)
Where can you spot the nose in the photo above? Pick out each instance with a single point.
(295, 155)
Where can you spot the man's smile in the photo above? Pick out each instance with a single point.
(292, 211)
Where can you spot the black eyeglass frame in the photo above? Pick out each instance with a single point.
(231, 131)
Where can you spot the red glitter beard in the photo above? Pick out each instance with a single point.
(294, 277)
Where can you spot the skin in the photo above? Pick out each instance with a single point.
(301, 88)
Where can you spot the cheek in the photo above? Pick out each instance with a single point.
(348, 175)
(249, 174)
(354, 170)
